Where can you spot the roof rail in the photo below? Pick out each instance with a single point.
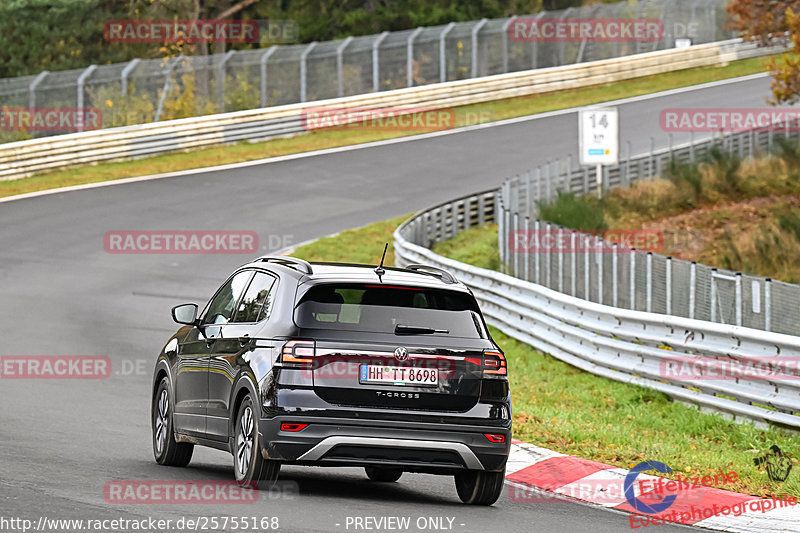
(287, 261)
(440, 273)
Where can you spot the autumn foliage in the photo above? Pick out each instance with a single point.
(764, 22)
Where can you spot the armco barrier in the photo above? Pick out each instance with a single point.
(24, 158)
(619, 344)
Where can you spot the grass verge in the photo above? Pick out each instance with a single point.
(317, 140)
(571, 411)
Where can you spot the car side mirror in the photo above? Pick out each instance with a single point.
(185, 314)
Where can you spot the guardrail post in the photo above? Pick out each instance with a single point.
(35, 83)
(263, 64)
(221, 78)
(527, 252)
(375, 63)
(410, 56)
(652, 150)
(738, 298)
(692, 288)
(586, 254)
(568, 175)
(527, 193)
(481, 210)
(539, 184)
(538, 252)
(668, 289)
(474, 39)
(632, 279)
(713, 295)
(768, 304)
(506, 24)
(626, 179)
(548, 261)
(547, 182)
(125, 73)
(574, 267)
(501, 236)
(649, 282)
(340, 65)
(598, 258)
(560, 261)
(81, 83)
(304, 71)
(165, 89)
(516, 250)
(443, 52)
(535, 44)
(691, 147)
(586, 181)
(614, 274)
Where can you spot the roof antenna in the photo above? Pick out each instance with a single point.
(379, 269)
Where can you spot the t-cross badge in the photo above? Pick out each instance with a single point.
(337, 365)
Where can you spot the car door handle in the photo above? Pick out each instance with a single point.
(244, 340)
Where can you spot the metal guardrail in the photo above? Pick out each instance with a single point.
(640, 280)
(286, 74)
(24, 158)
(620, 344)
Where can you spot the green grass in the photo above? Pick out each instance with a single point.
(244, 151)
(571, 411)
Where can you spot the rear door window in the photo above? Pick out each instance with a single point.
(390, 309)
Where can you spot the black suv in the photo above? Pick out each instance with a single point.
(330, 364)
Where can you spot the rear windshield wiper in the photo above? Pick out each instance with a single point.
(402, 329)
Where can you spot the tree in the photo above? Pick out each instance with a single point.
(765, 22)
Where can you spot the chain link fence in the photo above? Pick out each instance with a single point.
(150, 90)
(588, 267)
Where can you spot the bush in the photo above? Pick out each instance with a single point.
(576, 212)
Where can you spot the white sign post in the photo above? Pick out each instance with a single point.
(598, 137)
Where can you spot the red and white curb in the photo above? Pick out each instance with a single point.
(537, 474)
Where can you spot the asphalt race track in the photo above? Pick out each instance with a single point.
(63, 294)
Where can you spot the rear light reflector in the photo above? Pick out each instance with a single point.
(293, 426)
(298, 352)
(496, 438)
(494, 363)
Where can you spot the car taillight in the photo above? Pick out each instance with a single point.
(298, 353)
(293, 426)
(494, 364)
(496, 438)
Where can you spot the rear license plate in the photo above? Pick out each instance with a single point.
(395, 375)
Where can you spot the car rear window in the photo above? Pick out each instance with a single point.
(381, 308)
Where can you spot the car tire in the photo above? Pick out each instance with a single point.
(385, 475)
(477, 487)
(166, 449)
(249, 466)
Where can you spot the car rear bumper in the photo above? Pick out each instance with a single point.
(418, 447)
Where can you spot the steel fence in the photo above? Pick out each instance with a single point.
(148, 90)
(588, 267)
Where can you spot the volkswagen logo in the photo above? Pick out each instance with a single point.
(401, 353)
